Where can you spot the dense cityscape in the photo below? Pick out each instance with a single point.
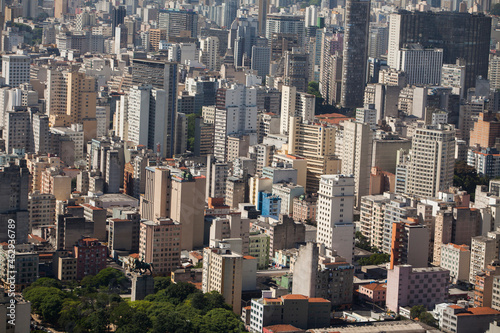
(255, 166)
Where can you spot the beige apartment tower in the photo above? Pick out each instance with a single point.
(187, 207)
(159, 244)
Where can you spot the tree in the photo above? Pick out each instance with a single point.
(191, 120)
(417, 310)
(173, 322)
(427, 318)
(375, 259)
(139, 323)
(161, 282)
(46, 282)
(46, 301)
(221, 320)
(467, 178)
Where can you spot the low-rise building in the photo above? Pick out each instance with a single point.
(463, 319)
(373, 292)
(297, 310)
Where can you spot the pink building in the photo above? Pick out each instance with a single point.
(408, 286)
(304, 207)
(373, 292)
(90, 257)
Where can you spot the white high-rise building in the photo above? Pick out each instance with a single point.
(432, 159)
(295, 104)
(16, 69)
(311, 16)
(235, 114)
(421, 65)
(356, 156)
(146, 116)
(494, 72)
(209, 53)
(453, 76)
(288, 100)
(335, 215)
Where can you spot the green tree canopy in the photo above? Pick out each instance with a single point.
(417, 310)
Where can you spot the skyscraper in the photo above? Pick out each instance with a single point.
(235, 114)
(16, 69)
(460, 35)
(176, 20)
(432, 159)
(357, 156)
(355, 53)
(335, 215)
(60, 8)
(263, 9)
(160, 75)
(117, 17)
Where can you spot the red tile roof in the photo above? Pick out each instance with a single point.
(281, 328)
(480, 311)
(318, 300)
(294, 296)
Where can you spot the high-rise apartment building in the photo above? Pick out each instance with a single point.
(378, 40)
(223, 272)
(160, 244)
(217, 174)
(155, 203)
(335, 214)
(355, 54)
(409, 243)
(147, 116)
(295, 104)
(177, 21)
(42, 209)
(187, 207)
(422, 66)
(316, 143)
(483, 250)
(90, 257)
(261, 59)
(15, 69)
(235, 114)
(161, 75)
(460, 35)
(60, 8)
(456, 259)
(296, 70)
(285, 24)
(210, 53)
(357, 156)
(430, 169)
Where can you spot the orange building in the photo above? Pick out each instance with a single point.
(486, 130)
(483, 286)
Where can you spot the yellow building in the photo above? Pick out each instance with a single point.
(316, 143)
